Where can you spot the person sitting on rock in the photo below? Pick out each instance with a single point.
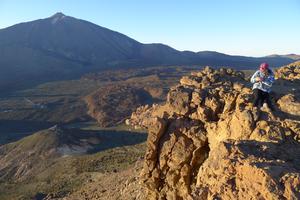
(262, 81)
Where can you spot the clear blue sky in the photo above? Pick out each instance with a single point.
(239, 27)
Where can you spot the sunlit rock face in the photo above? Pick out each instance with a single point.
(289, 72)
(208, 141)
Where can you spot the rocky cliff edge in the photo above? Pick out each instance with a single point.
(209, 142)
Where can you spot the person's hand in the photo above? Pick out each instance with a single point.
(258, 79)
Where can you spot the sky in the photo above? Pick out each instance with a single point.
(235, 27)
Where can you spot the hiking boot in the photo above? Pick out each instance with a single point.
(270, 111)
(266, 108)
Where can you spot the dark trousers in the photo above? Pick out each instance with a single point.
(261, 97)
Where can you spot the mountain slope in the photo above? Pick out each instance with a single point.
(63, 47)
(21, 159)
(292, 56)
(59, 160)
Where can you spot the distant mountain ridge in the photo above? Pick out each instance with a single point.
(63, 47)
(292, 56)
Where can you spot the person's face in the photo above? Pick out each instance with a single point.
(264, 70)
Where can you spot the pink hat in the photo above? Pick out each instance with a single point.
(263, 66)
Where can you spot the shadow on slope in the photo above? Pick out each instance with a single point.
(13, 130)
(111, 139)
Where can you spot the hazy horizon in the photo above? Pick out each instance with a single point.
(250, 28)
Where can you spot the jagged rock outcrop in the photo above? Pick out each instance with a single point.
(289, 72)
(288, 83)
(209, 142)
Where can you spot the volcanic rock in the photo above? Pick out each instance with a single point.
(208, 141)
(289, 72)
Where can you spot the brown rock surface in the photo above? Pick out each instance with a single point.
(289, 72)
(289, 104)
(251, 170)
(209, 142)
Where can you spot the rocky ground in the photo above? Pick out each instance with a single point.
(209, 142)
(111, 186)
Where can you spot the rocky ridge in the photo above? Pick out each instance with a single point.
(289, 72)
(209, 142)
